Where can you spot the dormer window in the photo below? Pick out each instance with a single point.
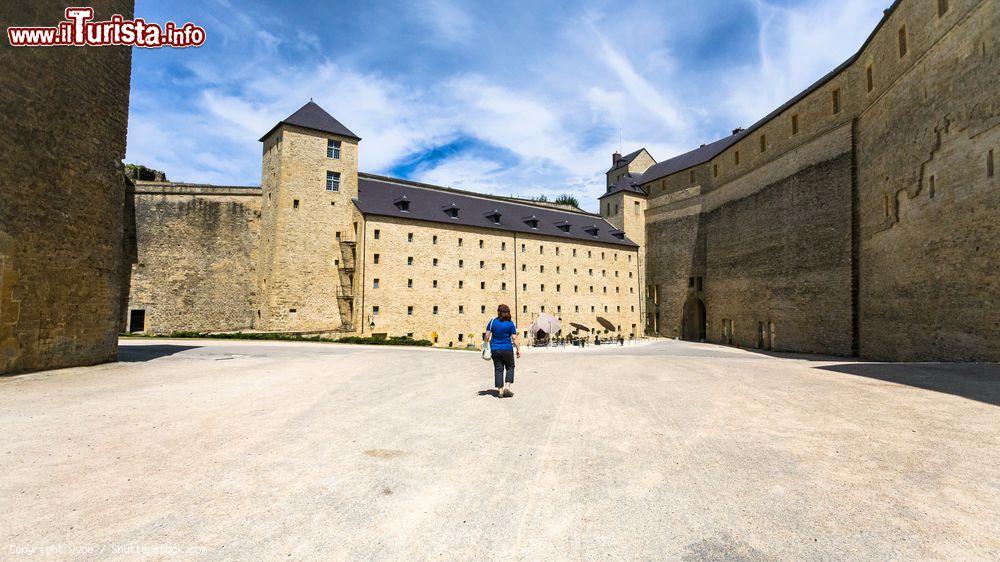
(563, 226)
(531, 221)
(451, 210)
(619, 234)
(403, 204)
(494, 216)
(592, 230)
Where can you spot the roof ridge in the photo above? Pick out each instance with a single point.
(505, 199)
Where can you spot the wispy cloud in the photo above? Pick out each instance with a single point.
(445, 93)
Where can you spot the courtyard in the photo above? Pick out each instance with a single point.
(663, 450)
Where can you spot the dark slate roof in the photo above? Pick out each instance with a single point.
(709, 151)
(625, 160)
(629, 183)
(377, 195)
(688, 159)
(312, 116)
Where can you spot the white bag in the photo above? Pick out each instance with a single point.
(487, 355)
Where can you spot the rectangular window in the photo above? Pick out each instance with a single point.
(902, 41)
(482, 309)
(409, 311)
(736, 157)
(333, 149)
(482, 285)
(409, 260)
(503, 245)
(461, 284)
(375, 283)
(636, 207)
(137, 320)
(691, 177)
(989, 164)
(524, 248)
(795, 124)
(942, 7)
(482, 264)
(434, 284)
(295, 203)
(409, 237)
(869, 81)
(459, 241)
(375, 258)
(835, 98)
(763, 143)
(333, 181)
(378, 233)
(461, 309)
(461, 263)
(435, 309)
(409, 283)
(503, 286)
(375, 311)
(434, 239)
(480, 243)
(715, 174)
(434, 262)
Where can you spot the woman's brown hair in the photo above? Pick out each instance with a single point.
(503, 311)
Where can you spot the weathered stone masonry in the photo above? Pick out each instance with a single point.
(62, 195)
(860, 218)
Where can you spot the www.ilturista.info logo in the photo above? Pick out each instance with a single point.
(79, 30)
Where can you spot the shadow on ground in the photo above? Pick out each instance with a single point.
(975, 381)
(140, 353)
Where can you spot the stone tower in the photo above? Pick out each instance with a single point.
(308, 225)
(624, 205)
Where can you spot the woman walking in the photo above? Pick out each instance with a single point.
(501, 334)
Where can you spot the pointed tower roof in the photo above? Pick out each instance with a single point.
(312, 116)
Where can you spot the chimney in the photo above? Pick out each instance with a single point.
(737, 130)
(615, 158)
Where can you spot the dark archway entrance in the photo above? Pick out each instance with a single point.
(693, 323)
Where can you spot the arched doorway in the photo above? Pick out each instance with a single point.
(693, 323)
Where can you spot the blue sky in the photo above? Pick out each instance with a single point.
(522, 98)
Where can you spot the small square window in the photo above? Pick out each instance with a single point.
(375, 310)
(333, 181)
(333, 149)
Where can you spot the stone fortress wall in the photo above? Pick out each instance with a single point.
(63, 254)
(818, 230)
(198, 250)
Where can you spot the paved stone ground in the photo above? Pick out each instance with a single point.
(664, 451)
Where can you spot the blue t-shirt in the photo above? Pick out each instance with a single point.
(502, 331)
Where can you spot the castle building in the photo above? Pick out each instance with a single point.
(860, 218)
(322, 248)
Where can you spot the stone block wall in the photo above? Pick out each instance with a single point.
(929, 224)
(62, 195)
(197, 252)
